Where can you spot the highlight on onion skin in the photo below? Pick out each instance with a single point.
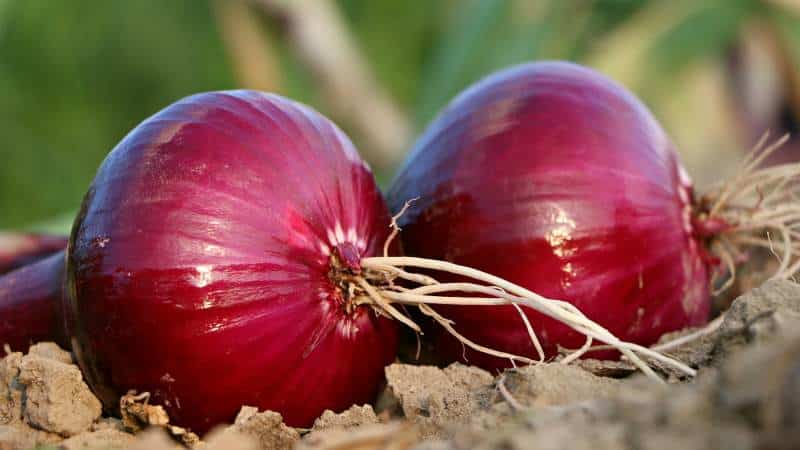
(20, 249)
(203, 265)
(30, 302)
(551, 176)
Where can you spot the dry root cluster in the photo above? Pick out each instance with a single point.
(760, 208)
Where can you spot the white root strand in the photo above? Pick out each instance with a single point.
(757, 204)
(704, 331)
(507, 396)
(447, 325)
(578, 353)
(386, 306)
(511, 293)
(532, 334)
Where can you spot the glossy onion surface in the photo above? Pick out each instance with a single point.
(199, 264)
(556, 178)
(30, 304)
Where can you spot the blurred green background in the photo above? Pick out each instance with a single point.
(76, 76)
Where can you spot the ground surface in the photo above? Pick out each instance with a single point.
(746, 396)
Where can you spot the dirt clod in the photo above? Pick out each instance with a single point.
(154, 438)
(353, 417)
(52, 351)
(749, 400)
(435, 398)
(757, 317)
(137, 413)
(106, 439)
(10, 390)
(557, 384)
(21, 437)
(439, 400)
(265, 428)
(227, 439)
(108, 423)
(395, 435)
(746, 396)
(56, 398)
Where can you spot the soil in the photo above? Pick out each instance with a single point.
(746, 396)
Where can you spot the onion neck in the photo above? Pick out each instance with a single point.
(706, 227)
(706, 223)
(343, 272)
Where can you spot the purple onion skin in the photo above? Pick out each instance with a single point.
(30, 304)
(199, 264)
(20, 249)
(556, 178)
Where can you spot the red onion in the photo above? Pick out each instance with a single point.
(227, 252)
(553, 177)
(206, 265)
(30, 302)
(19, 249)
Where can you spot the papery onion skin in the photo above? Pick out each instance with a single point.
(199, 264)
(30, 304)
(20, 249)
(554, 177)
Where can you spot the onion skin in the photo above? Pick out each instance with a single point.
(200, 261)
(30, 304)
(556, 178)
(20, 249)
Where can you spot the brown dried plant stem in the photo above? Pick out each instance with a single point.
(253, 56)
(319, 34)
